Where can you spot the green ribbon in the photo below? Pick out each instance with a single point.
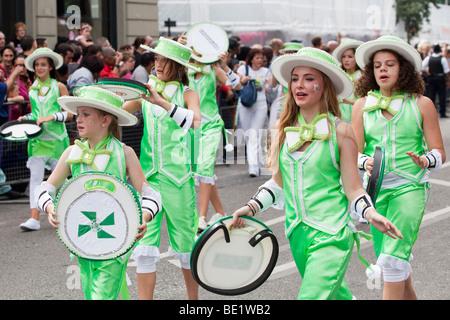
(160, 87)
(204, 68)
(383, 102)
(40, 85)
(358, 245)
(88, 155)
(306, 132)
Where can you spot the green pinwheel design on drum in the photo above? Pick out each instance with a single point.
(95, 225)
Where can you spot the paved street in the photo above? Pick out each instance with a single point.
(36, 266)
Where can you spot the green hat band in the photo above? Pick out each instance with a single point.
(101, 95)
(318, 54)
(172, 49)
(292, 47)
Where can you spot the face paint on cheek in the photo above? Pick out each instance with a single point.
(316, 88)
(91, 122)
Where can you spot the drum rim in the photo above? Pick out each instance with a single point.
(209, 232)
(135, 199)
(14, 122)
(208, 23)
(377, 171)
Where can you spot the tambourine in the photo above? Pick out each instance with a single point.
(127, 89)
(20, 131)
(99, 216)
(376, 178)
(208, 40)
(234, 262)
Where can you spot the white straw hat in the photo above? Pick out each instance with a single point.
(95, 97)
(315, 58)
(345, 45)
(366, 50)
(43, 53)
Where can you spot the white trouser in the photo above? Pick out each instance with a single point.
(37, 166)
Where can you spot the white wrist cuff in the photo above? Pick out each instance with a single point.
(151, 200)
(434, 158)
(60, 116)
(360, 205)
(45, 195)
(233, 79)
(183, 117)
(362, 159)
(268, 195)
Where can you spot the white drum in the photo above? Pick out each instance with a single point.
(208, 40)
(234, 262)
(20, 131)
(99, 216)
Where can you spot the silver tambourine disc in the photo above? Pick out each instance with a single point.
(207, 40)
(127, 89)
(234, 262)
(20, 131)
(99, 215)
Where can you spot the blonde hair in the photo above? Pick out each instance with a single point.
(328, 104)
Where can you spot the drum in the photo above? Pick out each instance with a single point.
(20, 131)
(376, 178)
(99, 216)
(234, 262)
(208, 40)
(127, 89)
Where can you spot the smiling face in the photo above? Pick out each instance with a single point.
(42, 68)
(307, 86)
(386, 69)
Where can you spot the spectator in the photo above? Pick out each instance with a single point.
(24, 83)
(20, 30)
(7, 55)
(88, 73)
(15, 110)
(84, 35)
(2, 40)
(234, 49)
(102, 42)
(317, 42)
(41, 43)
(252, 119)
(276, 44)
(142, 72)
(128, 62)
(438, 69)
(66, 51)
(112, 60)
(138, 51)
(28, 45)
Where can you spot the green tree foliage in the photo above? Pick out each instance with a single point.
(414, 13)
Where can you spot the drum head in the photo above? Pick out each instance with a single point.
(99, 215)
(20, 131)
(234, 262)
(127, 89)
(376, 178)
(207, 40)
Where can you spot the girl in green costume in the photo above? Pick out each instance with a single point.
(394, 114)
(44, 151)
(311, 152)
(169, 111)
(345, 53)
(208, 137)
(99, 116)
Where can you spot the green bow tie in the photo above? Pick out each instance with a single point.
(204, 68)
(376, 101)
(39, 85)
(166, 89)
(87, 155)
(316, 130)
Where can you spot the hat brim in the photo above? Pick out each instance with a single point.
(339, 51)
(57, 59)
(282, 70)
(164, 54)
(71, 105)
(366, 50)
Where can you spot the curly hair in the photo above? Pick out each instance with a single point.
(409, 80)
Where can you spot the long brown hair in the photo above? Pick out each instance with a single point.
(289, 117)
(177, 72)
